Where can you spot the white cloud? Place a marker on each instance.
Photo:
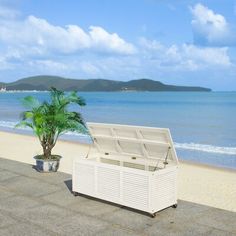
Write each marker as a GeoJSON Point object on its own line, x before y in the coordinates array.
{"type": "Point", "coordinates": [49, 65]}
{"type": "Point", "coordinates": [210, 28]}
{"type": "Point", "coordinates": [104, 41]}
{"type": "Point", "coordinates": [173, 53]}
{"type": "Point", "coordinates": [41, 37]}
{"type": "Point", "coordinates": [204, 15]}
{"type": "Point", "coordinates": [8, 13]}
{"type": "Point", "coordinates": [207, 56]}
{"type": "Point", "coordinates": [90, 69]}
{"type": "Point", "coordinates": [34, 46]}
{"type": "Point", "coordinates": [150, 45]}
{"type": "Point", "coordinates": [4, 65]}
{"type": "Point", "coordinates": [185, 56]}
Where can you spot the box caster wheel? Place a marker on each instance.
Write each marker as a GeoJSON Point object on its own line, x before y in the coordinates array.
{"type": "Point", "coordinates": [75, 194]}
{"type": "Point", "coordinates": [153, 215]}
{"type": "Point", "coordinates": [175, 205]}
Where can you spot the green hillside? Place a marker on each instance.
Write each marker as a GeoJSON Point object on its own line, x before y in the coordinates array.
{"type": "Point", "coordinates": [45, 82]}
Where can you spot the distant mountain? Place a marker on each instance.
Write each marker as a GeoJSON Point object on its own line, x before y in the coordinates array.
{"type": "Point", "coordinates": [45, 82]}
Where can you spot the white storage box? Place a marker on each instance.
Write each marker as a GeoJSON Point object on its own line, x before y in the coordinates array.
{"type": "Point", "coordinates": [133, 166]}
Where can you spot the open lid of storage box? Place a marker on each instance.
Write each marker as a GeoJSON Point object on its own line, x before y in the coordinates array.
{"type": "Point", "coordinates": [135, 141]}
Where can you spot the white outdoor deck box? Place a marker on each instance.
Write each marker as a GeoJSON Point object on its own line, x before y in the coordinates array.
{"type": "Point", "coordinates": [133, 166]}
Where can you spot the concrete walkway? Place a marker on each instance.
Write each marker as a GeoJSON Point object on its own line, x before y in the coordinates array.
{"type": "Point", "coordinates": [32, 203]}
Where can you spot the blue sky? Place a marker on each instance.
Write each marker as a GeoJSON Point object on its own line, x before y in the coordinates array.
{"type": "Point", "coordinates": [177, 42]}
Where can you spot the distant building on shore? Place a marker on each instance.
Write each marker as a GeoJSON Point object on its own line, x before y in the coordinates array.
{"type": "Point", "coordinates": [3, 89]}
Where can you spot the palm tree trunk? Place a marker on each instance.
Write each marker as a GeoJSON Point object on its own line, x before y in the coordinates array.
{"type": "Point", "coordinates": [47, 151]}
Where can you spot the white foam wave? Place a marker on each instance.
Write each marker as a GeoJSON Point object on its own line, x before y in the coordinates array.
{"type": "Point", "coordinates": [206, 148]}
{"type": "Point", "coordinates": [76, 134]}
{"type": "Point", "coordinates": [184, 146]}
{"type": "Point", "coordinates": [12, 124]}
{"type": "Point", "coordinates": [8, 124]}
{"type": "Point", "coordinates": [26, 91]}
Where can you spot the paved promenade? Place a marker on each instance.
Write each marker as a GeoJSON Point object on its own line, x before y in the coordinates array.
{"type": "Point", "coordinates": [37, 204]}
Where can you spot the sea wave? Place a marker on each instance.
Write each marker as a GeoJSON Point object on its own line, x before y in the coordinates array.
{"type": "Point", "coordinates": [183, 146]}
{"type": "Point", "coordinates": [8, 124]}
{"type": "Point", "coordinates": [26, 91]}
{"type": "Point", "coordinates": [12, 125]}
{"type": "Point", "coordinates": [206, 148]}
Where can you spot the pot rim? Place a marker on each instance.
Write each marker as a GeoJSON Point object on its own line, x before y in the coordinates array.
{"type": "Point", "coordinates": [56, 158]}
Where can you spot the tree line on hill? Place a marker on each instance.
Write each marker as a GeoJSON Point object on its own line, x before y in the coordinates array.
{"type": "Point", "coordinates": [43, 82]}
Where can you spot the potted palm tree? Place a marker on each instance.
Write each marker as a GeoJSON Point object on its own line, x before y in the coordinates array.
{"type": "Point", "coordinates": [49, 120]}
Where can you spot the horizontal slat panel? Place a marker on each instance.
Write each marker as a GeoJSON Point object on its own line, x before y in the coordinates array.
{"type": "Point", "coordinates": [108, 182]}
{"type": "Point", "coordinates": [146, 142]}
{"type": "Point", "coordinates": [135, 190]}
{"type": "Point", "coordinates": [164, 190]}
{"type": "Point", "coordinates": [85, 178]}
{"type": "Point", "coordinates": [126, 186]}
{"type": "Point", "coordinates": [132, 140]}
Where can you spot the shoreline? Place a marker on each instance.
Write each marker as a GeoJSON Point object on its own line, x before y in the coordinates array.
{"type": "Point", "coordinates": [207, 166]}
{"type": "Point", "coordinates": [80, 142]}
{"type": "Point", "coordinates": [199, 183]}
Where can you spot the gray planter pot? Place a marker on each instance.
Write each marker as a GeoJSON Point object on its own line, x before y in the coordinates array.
{"type": "Point", "coordinates": [43, 165]}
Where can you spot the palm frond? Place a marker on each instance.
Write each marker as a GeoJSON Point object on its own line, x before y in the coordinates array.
{"type": "Point", "coordinates": [50, 119]}
{"type": "Point", "coordinates": [30, 102]}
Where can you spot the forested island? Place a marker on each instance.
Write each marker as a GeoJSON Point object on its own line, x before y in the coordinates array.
{"type": "Point", "coordinates": [45, 82]}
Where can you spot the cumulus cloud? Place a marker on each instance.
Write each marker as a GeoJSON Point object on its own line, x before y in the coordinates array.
{"type": "Point", "coordinates": [210, 28]}
{"type": "Point", "coordinates": [150, 44]}
{"type": "Point", "coordinates": [8, 13]}
{"type": "Point", "coordinates": [89, 68]}
{"type": "Point", "coordinates": [102, 40]}
{"type": "Point", "coordinates": [35, 46]}
{"type": "Point", "coordinates": [4, 65]}
{"type": "Point", "coordinates": [49, 65]}
{"type": "Point", "coordinates": [41, 37]}
{"type": "Point", "coordinates": [185, 56]}
{"type": "Point", "coordinates": [207, 56]}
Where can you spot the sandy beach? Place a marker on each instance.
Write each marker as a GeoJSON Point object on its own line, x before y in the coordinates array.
{"type": "Point", "coordinates": [197, 183]}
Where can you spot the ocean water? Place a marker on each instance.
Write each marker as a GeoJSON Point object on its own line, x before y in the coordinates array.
{"type": "Point", "coordinates": [203, 125]}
